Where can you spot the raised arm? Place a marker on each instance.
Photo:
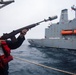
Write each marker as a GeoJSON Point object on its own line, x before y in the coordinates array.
{"type": "Point", "coordinates": [18, 43]}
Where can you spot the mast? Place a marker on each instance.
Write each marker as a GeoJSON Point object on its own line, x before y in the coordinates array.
{"type": "Point", "coordinates": [4, 3]}
{"type": "Point", "coordinates": [74, 8]}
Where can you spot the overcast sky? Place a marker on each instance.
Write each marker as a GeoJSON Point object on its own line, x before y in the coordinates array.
{"type": "Point", "coordinates": [25, 12]}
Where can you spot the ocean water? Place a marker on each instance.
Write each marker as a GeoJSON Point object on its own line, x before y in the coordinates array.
{"type": "Point", "coordinates": [63, 59]}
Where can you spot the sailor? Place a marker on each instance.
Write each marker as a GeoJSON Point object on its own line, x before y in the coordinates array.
{"type": "Point", "coordinates": [5, 50]}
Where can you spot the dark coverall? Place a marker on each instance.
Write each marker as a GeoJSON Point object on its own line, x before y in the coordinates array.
{"type": "Point", "coordinates": [11, 45]}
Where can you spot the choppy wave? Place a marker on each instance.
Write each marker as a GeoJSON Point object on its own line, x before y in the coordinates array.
{"type": "Point", "coordinates": [58, 58]}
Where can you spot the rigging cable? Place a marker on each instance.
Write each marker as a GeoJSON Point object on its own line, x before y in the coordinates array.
{"type": "Point", "coordinates": [45, 66]}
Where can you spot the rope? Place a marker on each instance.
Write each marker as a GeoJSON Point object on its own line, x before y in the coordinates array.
{"type": "Point", "coordinates": [46, 66]}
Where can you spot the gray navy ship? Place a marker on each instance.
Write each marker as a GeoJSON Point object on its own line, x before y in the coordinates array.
{"type": "Point", "coordinates": [59, 35]}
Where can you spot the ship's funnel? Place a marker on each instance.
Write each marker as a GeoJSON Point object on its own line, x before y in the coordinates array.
{"type": "Point", "coordinates": [64, 16]}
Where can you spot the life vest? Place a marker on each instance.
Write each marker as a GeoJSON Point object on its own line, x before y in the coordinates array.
{"type": "Point", "coordinates": [6, 57]}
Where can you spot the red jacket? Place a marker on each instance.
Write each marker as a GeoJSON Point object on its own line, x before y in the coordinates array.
{"type": "Point", "coordinates": [6, 47]}
{"type": "Point", "coordinates": [6, 57]}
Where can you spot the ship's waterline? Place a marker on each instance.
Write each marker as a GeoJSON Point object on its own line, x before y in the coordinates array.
{"type": "Point", "coordinates": [60, 35]}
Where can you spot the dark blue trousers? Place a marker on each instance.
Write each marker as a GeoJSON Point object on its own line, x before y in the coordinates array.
{"type": "Point", "coordinates": [4, 71]}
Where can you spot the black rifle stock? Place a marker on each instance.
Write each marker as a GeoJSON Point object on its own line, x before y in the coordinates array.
{"type": "Point", "coordinates": [13, 33]}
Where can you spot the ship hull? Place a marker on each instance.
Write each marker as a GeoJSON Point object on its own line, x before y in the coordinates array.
{"type": "Point", "coordinates": [56, 43]}
{"type": "Point", "coordinates": [59, 35]}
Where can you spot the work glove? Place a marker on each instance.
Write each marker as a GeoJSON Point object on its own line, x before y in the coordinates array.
{"type": "Point", "coordinates": [23, 32]}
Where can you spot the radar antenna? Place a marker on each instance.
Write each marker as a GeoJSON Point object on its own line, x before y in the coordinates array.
{"type": "Point", "coordinates": [4, 3]}
{"type": "Point", "coordinates": [74, 8]}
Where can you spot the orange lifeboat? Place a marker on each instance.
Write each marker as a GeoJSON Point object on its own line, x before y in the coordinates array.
{"type": "Point", "coordinates": [67, 32]}
{"type": "Point", "coordinates": [74, 31]}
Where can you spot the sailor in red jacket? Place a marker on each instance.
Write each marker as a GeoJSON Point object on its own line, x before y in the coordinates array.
{"type": "Point", "coordinates": [5, 50]}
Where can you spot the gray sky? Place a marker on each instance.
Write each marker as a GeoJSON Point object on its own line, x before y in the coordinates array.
{"type": "Point", "coordinates": [25, 12]}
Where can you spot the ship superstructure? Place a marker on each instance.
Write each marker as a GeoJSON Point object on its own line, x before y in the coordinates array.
{"type": "Point", "coordinates": [59, 35]}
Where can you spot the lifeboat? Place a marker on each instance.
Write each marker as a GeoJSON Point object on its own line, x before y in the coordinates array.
{"type": "Point", "coordinates": [74, 31]}
{"type": "Point", "coordinates": [67, 32]}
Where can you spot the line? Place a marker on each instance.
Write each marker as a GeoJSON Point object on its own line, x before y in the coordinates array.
{"type": "Point", "coordinates": [46, 66]}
